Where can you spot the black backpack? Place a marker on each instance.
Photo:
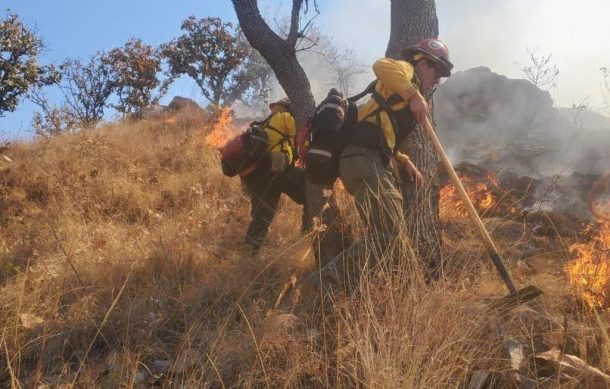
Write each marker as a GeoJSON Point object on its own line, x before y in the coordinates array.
{"type": "Point", "coordinates": [332, 127]}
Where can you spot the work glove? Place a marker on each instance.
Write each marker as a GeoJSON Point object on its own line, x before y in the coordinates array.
{"type": "Point", "coordinates": [409, 170]}
{"type": "Point", "coordinates": [278, 162]}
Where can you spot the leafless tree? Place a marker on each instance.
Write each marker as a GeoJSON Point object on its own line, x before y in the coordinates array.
{"type": "Point", "coordinates": [541, 71]}
{"type": "Point", "coordinates": [576, 111]}
{"type": "Point", "coordinates": [52, 119]}
{"type": "Point", "coordinates": [86, 87]}
{"type": "Point", "coordinates": [343, 61]}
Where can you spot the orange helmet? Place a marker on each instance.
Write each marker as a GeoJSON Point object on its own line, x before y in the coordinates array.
{"type": "Point", "coordinates": [433, 49]}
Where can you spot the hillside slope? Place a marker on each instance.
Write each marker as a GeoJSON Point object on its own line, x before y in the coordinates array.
{"type": "Point", "coordinates": [121, 266]}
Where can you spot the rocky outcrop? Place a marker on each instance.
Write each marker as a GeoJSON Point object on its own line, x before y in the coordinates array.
{"type": "Point", "coordinates": [180, 103]}
{"type": "Point", "coordinates": [478, 102]}
{"type": "Point", "coordinates": [509, 124]}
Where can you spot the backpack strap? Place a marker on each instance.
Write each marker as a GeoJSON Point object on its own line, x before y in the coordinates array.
{"type": "Point", "coordinates": [383, 105]}
{"type": "Point", "coordinates": [285, 137]}
{"type": "Point", "coordinates": [262, 123]}
{"type": "Point", "coordinates": [370, 88]}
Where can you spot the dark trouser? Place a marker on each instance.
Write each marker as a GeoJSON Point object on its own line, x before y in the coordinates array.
{"type": "Point", "coordinates": [265, 189]}
{"type": "Point", "coordinates": [379, 203]}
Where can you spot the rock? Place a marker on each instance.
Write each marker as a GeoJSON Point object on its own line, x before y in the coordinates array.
{"type": "Point", "coordinates": [510, 124]}
{"type": "Point", "coordinates": [180, 103]}
{"type": "Point", "coordinates": [478, 101]}
{"type": "Point", "coordinates": [152, 112]}
{"type": "Point", "coordinates": [573, 368]}
{"type": "Point", "coordinates": [516, 353]}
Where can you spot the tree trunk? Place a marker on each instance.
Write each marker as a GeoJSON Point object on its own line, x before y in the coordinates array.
{"type": "Point", "coordinates": [280, 54]}
{"type": "Point", "coordinates": [411, 21]}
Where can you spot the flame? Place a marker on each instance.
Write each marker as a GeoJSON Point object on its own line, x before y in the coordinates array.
{"type": "Point", "coordinates": [589, 271]}
{"type": "Point", "coordinates": [488, 201]}
{"type": "Point", "coordinates": [480, 194]}
{"type": "Point", "coordinates": [599, 198]}
{"type": "Point", "coordinates": [222, 130]}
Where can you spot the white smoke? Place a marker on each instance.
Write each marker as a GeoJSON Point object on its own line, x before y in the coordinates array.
{"type": "Point", "coordinates": [497, 34]}
{"type": "Point", "coordinates": [510, 124]}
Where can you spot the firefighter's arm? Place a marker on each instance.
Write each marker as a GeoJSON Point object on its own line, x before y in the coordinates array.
{"type": "Point", "coordinates": [408, 169]}
{"type": "Point", "coordinates": [396, 76]}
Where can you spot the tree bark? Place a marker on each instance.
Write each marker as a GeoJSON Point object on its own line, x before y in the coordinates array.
{"type": "Point", "coordinates": [411, 21]}
{"type": "Point", "coordinates": [280, 54]}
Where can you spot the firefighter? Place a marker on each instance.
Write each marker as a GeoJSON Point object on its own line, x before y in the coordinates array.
{"type": "Point", "coordinates": [397, 104]}
{"type": "Point", "coordinates": [274, 175]}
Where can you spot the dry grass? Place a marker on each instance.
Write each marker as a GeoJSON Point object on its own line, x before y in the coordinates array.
{"type": "Point", "coordinates": [120, 247]}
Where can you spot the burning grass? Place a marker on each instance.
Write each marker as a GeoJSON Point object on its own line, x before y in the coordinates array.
{"type": "Point", "coordinates": [480, 194]}
{"type": "Point", "coordinates": [121, 266]}
{"type": "Point", "coordinates": [589, 271]}
{"type": "Point", "coordinates": [599, 198]}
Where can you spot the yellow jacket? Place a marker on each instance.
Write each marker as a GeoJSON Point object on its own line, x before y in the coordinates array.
{"type": "Point", "coordinates": [393, 76]}
{"type": "Point", "coordinates": [284, 123]}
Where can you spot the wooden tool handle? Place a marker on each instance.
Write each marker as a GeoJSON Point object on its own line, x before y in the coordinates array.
{"type": "Point", "coordinates": [472, 212]}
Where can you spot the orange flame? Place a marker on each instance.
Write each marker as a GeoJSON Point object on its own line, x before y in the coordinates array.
{"type": "Point", "coordinates": [589, 271]}
{"type": "Point", "coordinates": [487, 201]}
{"type": "Point", "coordinates": [480, 195]}
{"type": "Point", "coordinates": [222, 130]}
{"type": "Point", "coordinates": [599, 198]}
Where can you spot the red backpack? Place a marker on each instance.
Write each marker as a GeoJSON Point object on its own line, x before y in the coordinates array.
{"type": "Point", "coordinates": [241, 154]}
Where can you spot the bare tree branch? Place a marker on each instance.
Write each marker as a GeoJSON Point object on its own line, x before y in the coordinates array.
{"type": "Point", "coordinates": [293, 33]}
{"type": "Point", "coordinates": [541, 72]}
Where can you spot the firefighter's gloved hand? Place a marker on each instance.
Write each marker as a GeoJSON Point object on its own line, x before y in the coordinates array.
{"type": "Point", "coordinates": [409, 170]}
{"type": "Point", "coordinates": [278, 162]}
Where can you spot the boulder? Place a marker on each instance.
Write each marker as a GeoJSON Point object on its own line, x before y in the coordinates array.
{"type": "Point", "coordinates": [180, 103]}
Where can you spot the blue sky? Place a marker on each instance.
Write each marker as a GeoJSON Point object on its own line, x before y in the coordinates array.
{"type": "Point", "coordinates": [488, 33]}
{"type": "Point", "coordinates": [72, 28]}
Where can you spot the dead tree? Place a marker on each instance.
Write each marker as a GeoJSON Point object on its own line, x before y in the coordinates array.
{"type": "Point", "coordinates": [281, 55]}
{"type": "Point", "coordinates": [540, 71]}
{"type": "Point", "coordinates": [411, 21]}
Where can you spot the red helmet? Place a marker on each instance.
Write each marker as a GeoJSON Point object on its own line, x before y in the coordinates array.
{"type": "Point", "coordinates": [433, 49]}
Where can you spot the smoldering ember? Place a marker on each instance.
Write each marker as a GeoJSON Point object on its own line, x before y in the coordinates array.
{"type": "Point", "coordinates": [444, 229]}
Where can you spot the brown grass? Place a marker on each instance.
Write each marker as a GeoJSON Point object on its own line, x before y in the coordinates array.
{"type": "Point", "coordinates": [121, 247]}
